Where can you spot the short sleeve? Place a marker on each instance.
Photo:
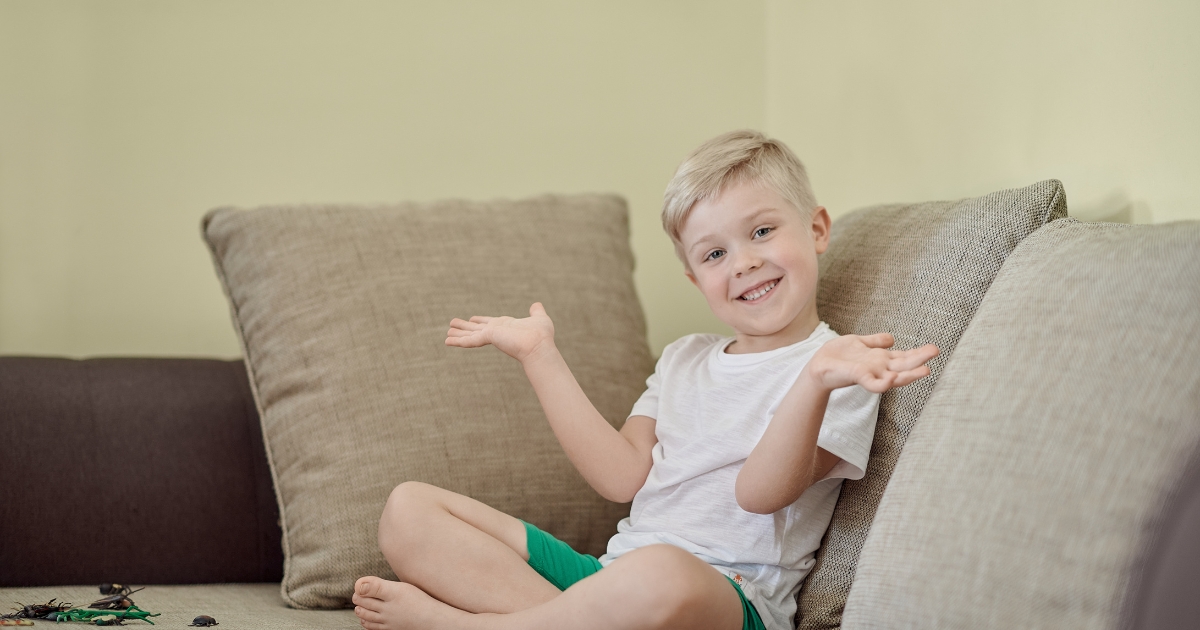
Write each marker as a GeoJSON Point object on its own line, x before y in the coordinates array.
{"type": "Point", "coordinates": [647, 405]}
{"type": "Point", "coordinates": [848, 430]}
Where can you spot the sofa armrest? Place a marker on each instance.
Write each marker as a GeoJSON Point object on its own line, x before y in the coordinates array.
{"type": "Point", "coordinates": [143, 471]}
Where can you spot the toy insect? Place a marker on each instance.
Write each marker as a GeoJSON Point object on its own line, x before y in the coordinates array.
{"type": "Point", "coordinates": [105, 617]}
{"type": "Point", "coordinates": [117, 601]}
{"type": "Point", "coordinates": [113, 589]}
{"type": "Point", "coordinates": [204, 621]}
{"type": "Point", "coordinates": [37, 611]}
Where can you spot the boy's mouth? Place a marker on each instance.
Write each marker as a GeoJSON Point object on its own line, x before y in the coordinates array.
{"type": "Point", "coordinates": [759, 291]}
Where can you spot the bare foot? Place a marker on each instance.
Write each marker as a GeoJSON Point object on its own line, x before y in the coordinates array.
{"type": "Point", "coordinates": [385, 605]}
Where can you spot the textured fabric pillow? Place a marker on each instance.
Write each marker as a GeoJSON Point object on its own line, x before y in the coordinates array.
{"type": "Point", "coordinates": [1062, 422]}
{"type": "Point", "coordinates": [342, 313]}
{"type": "Point", "coordinates": [919, 272]}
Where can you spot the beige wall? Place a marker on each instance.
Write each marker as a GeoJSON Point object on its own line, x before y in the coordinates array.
{"type": "Point", "coordinates": [122, 121]}
{"type": "Point", "coordinates": [932, 99]}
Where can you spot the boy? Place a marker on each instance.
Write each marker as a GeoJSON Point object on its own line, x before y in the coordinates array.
{"type": "Point", "coordinates": [733, 457]}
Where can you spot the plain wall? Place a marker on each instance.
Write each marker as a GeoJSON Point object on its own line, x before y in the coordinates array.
{"type": "Point", "coordinates": [938, 99]}
{"type": "Point", "coordinates": [123, 121]}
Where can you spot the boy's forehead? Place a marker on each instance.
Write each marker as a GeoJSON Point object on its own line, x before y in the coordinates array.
{"type": "Point", "coordinates": [731, 210]}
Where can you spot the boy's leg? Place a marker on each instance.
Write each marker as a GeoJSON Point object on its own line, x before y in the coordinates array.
{"type": "Point", "coordinates": [652, 588]}
{"type": "Point", "coordinates": [459, 550]}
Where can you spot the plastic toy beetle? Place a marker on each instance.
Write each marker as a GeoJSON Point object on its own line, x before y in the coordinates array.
{"type": "Point", "coordinates": [118, 598]}
{"type": "Point", "coordinates": [37, 611]}
{"type": "Point", "coordinates": [204, 621]}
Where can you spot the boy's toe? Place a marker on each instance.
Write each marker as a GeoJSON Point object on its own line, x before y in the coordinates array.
{"type": "Point", "coordinates": [373, 588]}
{"type": "Point", "coordinates": [368, 615]}
{"type": "Point", "coordinates": [368, 586]}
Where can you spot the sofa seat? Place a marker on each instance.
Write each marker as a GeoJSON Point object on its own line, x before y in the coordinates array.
{"type": "Point", "coordinates": [242, 606]}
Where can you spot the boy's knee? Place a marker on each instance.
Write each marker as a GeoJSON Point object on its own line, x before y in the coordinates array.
{"type": "Point", "coordinates": [403, 509]}
{"type": "Point", "coordinates": [408, 493]}
{"type": "Point", "coordinates": [670, 582]}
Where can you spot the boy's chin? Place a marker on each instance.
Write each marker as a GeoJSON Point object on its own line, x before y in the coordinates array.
{"type": "Point", "coordinates": [766, 328]}
{"type": "Point", "coordinates": [760, 330]}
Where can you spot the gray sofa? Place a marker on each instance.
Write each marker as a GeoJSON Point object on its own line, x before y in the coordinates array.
{"type": "Point", "coordinates": [1050, 479]}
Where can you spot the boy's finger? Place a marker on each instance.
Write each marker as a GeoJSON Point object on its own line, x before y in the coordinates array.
{"type": "Point", "coordinates": [878, 340]}
{"type": "Point", "coordinates": [481, 319]}
{"type": "Point", "coordinates": [458, 332]}
{"type": "Point", "coordinates": [909, 376]}
{"type": "Point", "coordinates": [877, 384]}
{"type": "Point", "coordinates": [537, 309]}
{"type": "Point", "coordinates": [928, 351]}
{"type": "Point", "coordinates": [907, 360]}
{"type": "Point", "coordinates": [465, 342]}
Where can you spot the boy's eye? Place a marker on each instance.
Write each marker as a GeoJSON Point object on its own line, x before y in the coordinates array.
{"type": "Point", "coordinates": [714, 254]}
{"type": "Point", "coordinates": [762, 231]}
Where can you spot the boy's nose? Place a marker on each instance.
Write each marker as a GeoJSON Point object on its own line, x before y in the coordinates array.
{"type": "Point", "coordinates": [746, 265]}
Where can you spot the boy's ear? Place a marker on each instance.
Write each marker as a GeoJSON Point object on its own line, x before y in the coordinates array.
{"type": "Point", "coordinates": [820, 228]}
{"type": "Point", "coordinates": [692, 278]}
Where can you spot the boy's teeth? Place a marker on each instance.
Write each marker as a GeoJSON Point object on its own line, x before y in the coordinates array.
{"type": "Point", "coordinates": [759, 293]}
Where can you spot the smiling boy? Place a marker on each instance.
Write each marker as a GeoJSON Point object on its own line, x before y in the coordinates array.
{"type": "Point", "coordinates": [733, 457]}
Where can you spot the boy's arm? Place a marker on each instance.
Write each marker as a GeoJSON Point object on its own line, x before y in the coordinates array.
{"type": "Point", "coordinates": [787, 460]}
{"type": "Point", "coordinates": [614, 463]}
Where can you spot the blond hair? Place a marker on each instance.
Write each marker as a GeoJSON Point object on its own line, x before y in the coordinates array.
{"type": "Point", "coordinates": [733, 158]}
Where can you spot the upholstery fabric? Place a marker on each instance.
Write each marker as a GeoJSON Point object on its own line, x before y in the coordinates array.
{"type": "Point", "coordinates": [342, 312]}
{"type": "Point", "coordinates": [241, 606]}
{"type": "Point", "coordinates": [135, 471]}
{"type": "Point", "coordinates": [1162, 594]}
{"type": "Point", "coordinates": [918, 271]}
{"type": "Point", "coordinates": [1065, 418]}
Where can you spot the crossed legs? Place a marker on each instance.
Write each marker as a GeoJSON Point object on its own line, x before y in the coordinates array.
{"type": "Point", "coordinates": [463, 564]}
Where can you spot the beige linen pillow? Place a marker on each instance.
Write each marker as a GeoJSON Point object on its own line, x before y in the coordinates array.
{"type": "Point", "coordinates": [918, 271]}
{"type": "Point", "coordinates": [342, 313]}
{"type": "Point", "coordinates": [1041, 462]}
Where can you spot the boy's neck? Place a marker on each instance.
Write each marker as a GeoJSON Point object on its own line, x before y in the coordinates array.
{"type": "Point", "coordinates": [795, 332]}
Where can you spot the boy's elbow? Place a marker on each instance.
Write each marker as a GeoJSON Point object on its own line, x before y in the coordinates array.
{"type": "Point", "coordinates": [621, 497]}
{"type": "Point", "coordinates": [749, 503]}
{"type": "Point", "coordinates": [760, 503]}
{"type": "Point", "coordinates": [620, 493]}
{"type": "Point", "coordinates": [755, 508]}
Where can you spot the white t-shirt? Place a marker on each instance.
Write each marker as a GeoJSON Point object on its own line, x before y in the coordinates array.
{"type": "Point", "coordinates": [711, 409]}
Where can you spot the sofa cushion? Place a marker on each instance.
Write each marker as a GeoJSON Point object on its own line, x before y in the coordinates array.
{"type": "Point", "coordinates": [342, 313]}
{"type": "Point", "coordinates": [241, 606]}
{"type": "Point", "coordinates": [141, 470]}
{"type": "Point", "coordinates": [918, 271]}
{"type": "Point", "coordinates": [1058, 429]}
{"type": "Point", "coordinates": [1161, 595]}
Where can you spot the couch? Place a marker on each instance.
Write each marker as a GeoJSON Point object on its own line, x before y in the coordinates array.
{"type": "Point", "coordinates": [1051, 479]}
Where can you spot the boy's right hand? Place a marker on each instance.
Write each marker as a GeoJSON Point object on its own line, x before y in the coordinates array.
{"type": "Point", "coordinates": [520, 339]}
{"type": "Point", "coordinates": [866, 361]}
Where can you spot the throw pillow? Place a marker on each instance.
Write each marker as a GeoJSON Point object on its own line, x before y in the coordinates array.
{"type": "Point", "coordinates": [918, 271]}
{"type": "Point", "coordinates": [342, 313]}
{"type": "Point", "coordinates": [1059, 430]}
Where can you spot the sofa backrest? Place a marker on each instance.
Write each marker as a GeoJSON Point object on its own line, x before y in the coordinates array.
{"type": "Point", "coordinates": [137, 471]}
{"type": "Point", "coordinates": [1037, 473]}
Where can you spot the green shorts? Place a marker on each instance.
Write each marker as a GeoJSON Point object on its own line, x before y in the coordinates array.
{"type": "Point", "coordinates": [554, 560]}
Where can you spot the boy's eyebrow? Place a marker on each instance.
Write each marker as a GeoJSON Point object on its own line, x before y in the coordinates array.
{"type": "Point", "coordinates": [751, 219]}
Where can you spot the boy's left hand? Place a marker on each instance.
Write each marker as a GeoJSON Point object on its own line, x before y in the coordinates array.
{"type": "Point", "coordinates": [866, 361]}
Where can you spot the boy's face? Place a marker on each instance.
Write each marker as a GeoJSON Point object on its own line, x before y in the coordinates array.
{"type": "Point", "coordinates": [754, 257]}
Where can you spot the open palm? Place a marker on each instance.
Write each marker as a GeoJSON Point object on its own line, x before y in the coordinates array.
{"type": "Point", "coordinates": [518, 338]}
{"type": "Point", "coordinates": [866, 361]}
